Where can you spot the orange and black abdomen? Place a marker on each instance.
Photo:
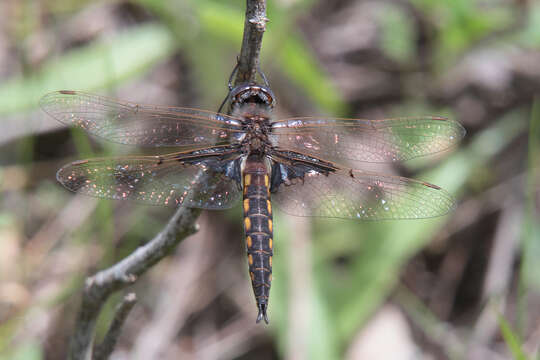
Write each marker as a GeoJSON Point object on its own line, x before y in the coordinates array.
{"type": "Point", "coordinates": [258, 230]}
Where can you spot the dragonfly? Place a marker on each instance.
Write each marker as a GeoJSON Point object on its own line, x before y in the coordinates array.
{"type": "Point", "coordinates": [217, 160]}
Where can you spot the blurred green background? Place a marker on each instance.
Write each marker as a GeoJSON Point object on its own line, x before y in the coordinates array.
{"type": "Point", "coordinates": [463, 286]}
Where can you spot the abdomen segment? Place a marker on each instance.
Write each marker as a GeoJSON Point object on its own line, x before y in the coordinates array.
{"type": "Point", "coordinates": [258, 230]}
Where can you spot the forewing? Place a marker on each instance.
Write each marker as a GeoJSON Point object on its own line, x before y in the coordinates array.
{"type": "Point", "coordinates": [151, 181]}
{"type": "Point", "coordinates": [137, 124]}
{"type": "Point", "coordinates": [353, 194]}
{"type": "Point", "coordinates": [376, 141]}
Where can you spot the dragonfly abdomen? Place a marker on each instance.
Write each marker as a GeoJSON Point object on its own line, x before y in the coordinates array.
{"type": "Point", "coordinates": [258, 230]}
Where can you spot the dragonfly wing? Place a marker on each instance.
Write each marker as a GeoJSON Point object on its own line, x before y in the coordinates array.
{"type": "Point", "coordinates": [353, 194]}
{"type": "Point", "coordinates": [137, 124]}
{"type": "Point", "coordinates": [151, 180]}
{"type": "Point", "coordinates": [360, 140]}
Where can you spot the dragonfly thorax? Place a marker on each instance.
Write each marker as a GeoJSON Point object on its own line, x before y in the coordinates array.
{"type": "Point", "coordinates": [257, 129]}
{"type": "Point", "coordinates": [255, 117]}
{"type": "Point", "coordinates": [253, 104]}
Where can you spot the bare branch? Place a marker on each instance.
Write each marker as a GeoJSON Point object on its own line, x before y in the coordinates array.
{"type": "Point", "coordinates": [254, 27]}
{"type": "Point", "coordinates": [100, 286]}
{"type": "Point", "coordinates": [105, 349]}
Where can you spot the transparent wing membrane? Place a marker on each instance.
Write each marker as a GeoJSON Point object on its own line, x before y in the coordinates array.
{"type": "Point", "coordinates": [308, 150]}
{"type": "Point", "coordinates": [360, 140]}
{"type": "Point", "coordinates": [152, 181]}
{"type": "Point", "coordinates": [352, 194]}
{"type": "Point", "coordinates": [137, 124]}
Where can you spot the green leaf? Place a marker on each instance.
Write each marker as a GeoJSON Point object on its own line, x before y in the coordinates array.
{"type": "Point", "coordinates": [531, 34]}
{"type": "Point", "coordinates": [398, 45]}
{"type": "Point", "coordinates": [297, 62]}
{"type": "Point", "coordinates": [318, 339]}
{"type": "Point", "coordinates": [462, 23]}
{"type": "Point", "coordinates": [26, 351]}
{"type": "Point", "coordinates": [530, 237]}
{"type": "Point", "coordinates": [103, 63]}
{"type": "Point", "coordinates": [531, 232]}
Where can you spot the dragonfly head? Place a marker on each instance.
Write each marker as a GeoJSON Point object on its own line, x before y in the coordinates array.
{"type": "Point", "coordinates": [252, 94]}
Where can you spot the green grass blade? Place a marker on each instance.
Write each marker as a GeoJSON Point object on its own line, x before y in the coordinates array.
{"type": "Point", "coordinates": [511, 339]}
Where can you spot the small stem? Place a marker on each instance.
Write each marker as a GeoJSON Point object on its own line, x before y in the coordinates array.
{"type": "Point", "coordinates": [124, 273]}
{"type": "Point", "coordinates": [254, 27]}
{"type": "Point", "coordinates": [105, 349]}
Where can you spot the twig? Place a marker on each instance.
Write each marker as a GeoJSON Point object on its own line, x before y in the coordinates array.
{"type": "Point", "coordinates": [100, 286]}
{"type": "Point", "coordinates": [105, 349]}
{"type": "Point", "coordinates": [254, 27]}
{"type": "Point", "coordinates": [182, 277]}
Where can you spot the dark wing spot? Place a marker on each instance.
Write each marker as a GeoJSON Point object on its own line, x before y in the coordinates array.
{"type": "Point", "coordinates": [431, 186]}
{"type": "Point", "coordinates": [79, 162]}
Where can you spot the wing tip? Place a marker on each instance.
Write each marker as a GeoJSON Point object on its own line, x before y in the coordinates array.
{"type": "Point", "coordinates": [458, 129]}
{"type": "Point", "coordinates": [44, 101]}
{"type": "Point", "coordinates": [53, 94]}
{"type": "Point", "coordinates": [448, 201]}
{"type": "Point", "coordinates": [48, 99]}
{"type": "Point", "coordinates": [70, 182]}
{"type": "Point", "coordinates": [462, 130]}
{"type": "Point", "coordinates": [445, 196]}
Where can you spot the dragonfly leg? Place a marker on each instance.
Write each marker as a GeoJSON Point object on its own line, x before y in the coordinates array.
{"type": "Point", "coordinates": [263, 76]}
{"type": "Point", "coordinates": [233, 73]}
{"type": "Point", "coordinates": [229, 85]}
{"type": "Point", "coordinates": [224, 102]}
